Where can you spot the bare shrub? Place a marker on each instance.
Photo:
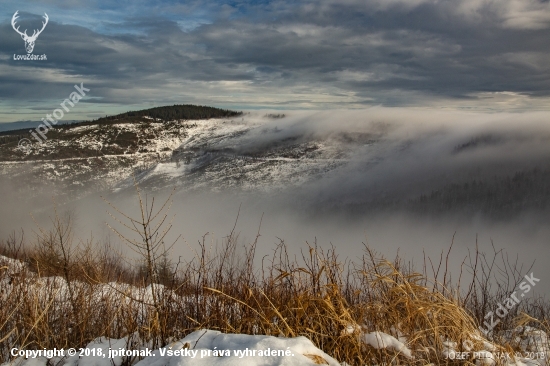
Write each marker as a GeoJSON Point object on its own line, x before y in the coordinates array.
{"type": "Point", "coordinates": [62, 293]}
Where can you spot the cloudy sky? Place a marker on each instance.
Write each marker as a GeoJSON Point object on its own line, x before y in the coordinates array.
{"type": "Point", "coordinates": [280, 54]}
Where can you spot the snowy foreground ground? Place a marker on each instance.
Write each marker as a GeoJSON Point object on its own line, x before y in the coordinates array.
{"type": "Point", "coordinates": [203, 347]}
{"type": "Point", "coordinates": [212, 348]}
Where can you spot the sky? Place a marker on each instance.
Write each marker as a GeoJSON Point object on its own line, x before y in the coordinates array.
{"type": "Point", "coordinates": [491, 55]}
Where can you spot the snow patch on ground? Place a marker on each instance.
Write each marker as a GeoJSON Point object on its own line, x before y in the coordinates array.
{"type": "Point", "coordinates": [202, 347]}
{"type": "Point", "coordinates": [381, 340]}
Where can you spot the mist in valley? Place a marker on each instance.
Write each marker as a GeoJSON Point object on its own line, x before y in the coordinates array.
{"type": "Point", "coordinates": [383, 161]}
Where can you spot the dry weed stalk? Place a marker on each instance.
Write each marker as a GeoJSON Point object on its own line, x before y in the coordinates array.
{"type": "Point", "coordinates": [329, 300]}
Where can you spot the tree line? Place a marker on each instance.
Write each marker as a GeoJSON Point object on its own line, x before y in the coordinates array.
{"type": "Point", "coordinates": [175, 112]}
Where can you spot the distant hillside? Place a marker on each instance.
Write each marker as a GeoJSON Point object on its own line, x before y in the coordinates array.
{"type": "Point", "coordinates": [175, 112]}
{"type": "Point", "coordinates": [24, 125]}
{"type": "Point", "coordinates": [498, 197]}
{"type": "Point", "coordinates": [160, 114]}
{"type": "Point", "coordinates": [127, 133]}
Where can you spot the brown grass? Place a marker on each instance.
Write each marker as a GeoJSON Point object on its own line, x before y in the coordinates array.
{"type": "Point", "coordinates": [329, 300]}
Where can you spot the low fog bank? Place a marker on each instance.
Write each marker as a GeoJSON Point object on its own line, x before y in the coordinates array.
{"type": "Point", "coordinates": [435, 162]}
{"type": "Point", "coordinates": [412, 236]}
{"type": "Point", "coordinates": [391, 155]}
{"type": "Point", "coordinates": [402, 153]}
{"type": "Point", "coordinates": [213, 216]}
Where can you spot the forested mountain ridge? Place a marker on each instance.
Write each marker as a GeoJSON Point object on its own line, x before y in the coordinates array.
{"type": "Point", "coordinates": [171, 113]}
{"type": "Point", "coordinates": [497, 197]}
{"type": "Point", "coordinates": [323, 168]}
{"type": "Point", "coordinates": [176, 112]}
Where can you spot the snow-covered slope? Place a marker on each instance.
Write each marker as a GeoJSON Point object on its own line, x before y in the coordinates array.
{"type": "Point", "coordinates": [213, 153]}
{"type": "Point", "coordinates": [338, 159]}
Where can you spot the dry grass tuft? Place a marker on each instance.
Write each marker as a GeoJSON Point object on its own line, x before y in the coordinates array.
{"type": "Point", "coordinates": [318, 360]}
{"type": "Point", "coordinates": [69, 292]}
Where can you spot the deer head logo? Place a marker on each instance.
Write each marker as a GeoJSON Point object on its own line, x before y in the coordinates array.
{"type": "Point", "coordinates": [29, 40]}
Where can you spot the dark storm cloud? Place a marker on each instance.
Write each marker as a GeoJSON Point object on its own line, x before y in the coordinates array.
{"type": "Point", "coordinates": [360, 52]}
{"type": "Point", "coordinates": [431, 48]}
